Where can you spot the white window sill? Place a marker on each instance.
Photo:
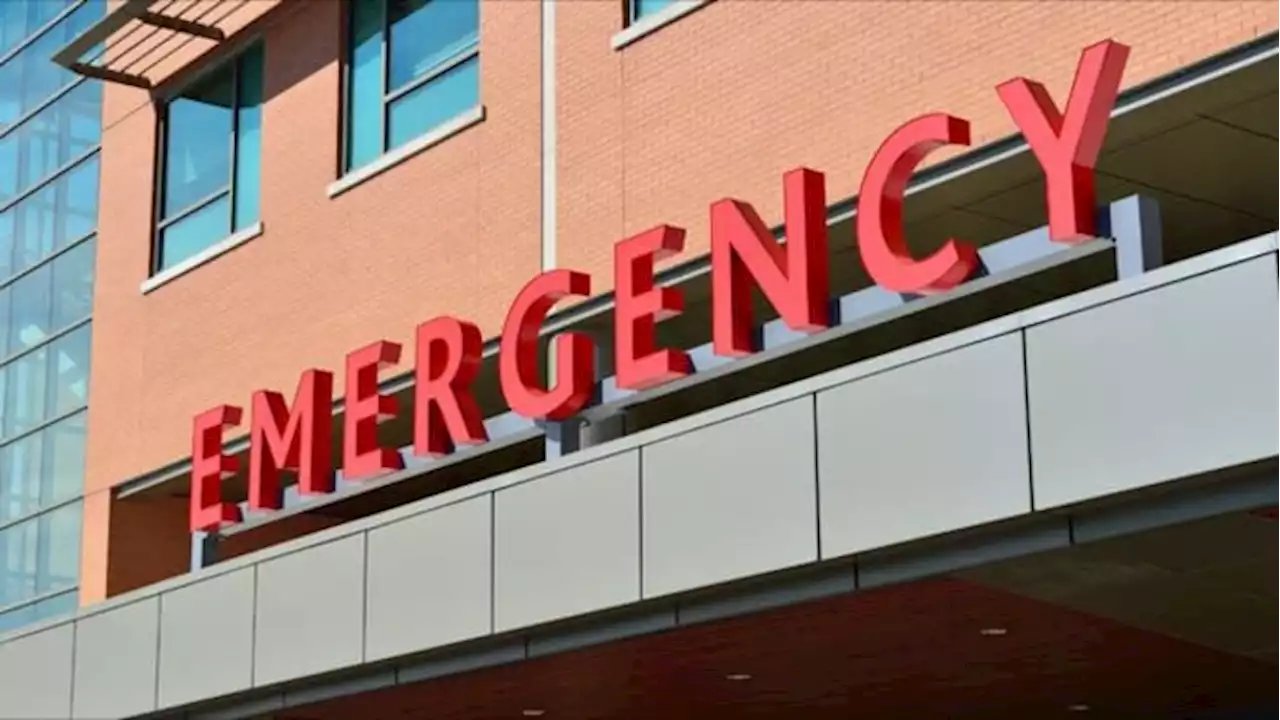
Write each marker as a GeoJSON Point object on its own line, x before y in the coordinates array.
{"type": "Point", "coordinates": [222, 247]}
{"type": "Point", "coordinates": [404, 152]}
{"type": "Point", "coordinates": [666, 16]}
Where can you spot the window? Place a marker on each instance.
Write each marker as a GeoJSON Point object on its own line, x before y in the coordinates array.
{"type": "Point", "coordinates": [49, 140]}
{"type": "Point", "coordinates": [210, 158]}
{"type": "Point", "coordinates": [644, 8]}
{"type": "Point", "coordinates": [413, 66]}
{"type": "Point", "coordinates": [19, 20]}
{"type": "Point", "coordinates": [30, 78]}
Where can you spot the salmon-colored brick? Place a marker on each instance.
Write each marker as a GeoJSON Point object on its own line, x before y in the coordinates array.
{"type": "Point", "coordinates": [453, 230]}
{"type": "Point", "coordinates": [725, 100]}
{"type": "Point", "coordinates": [720, 103]}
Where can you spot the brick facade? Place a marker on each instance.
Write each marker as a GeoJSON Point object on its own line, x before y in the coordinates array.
{"type": "Point", "coordinates": [719, 103]}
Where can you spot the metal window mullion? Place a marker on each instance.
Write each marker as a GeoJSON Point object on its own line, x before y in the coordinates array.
{"type": "Point", "coordinates": [61, 205]}
{"type": "Point", "coordinates": [34, 599]}
{"type": "Point", "coordinates": [43, 425]}
{"type": "Point", "coordinates": [344, 88]}
{"type": "Point", "coordinates": [386, 75]}
{"type": "Point", "coordinates": [195, 207]}
{"type": "Point", "coordinates": [42, 106]}
{"type": "Point", "coordinates": [44, 342]}
{"type": "Point", "coordinates": [436, 71]}
{"type": "Point", "coordinates": [41, 31]}
{"type": "Point", "coordinates": [159, 189]}
{"type": "Point", "coordinates": [49, 179]}
{"type": "Point", "coordinates": [236, 67]}
{"type": "Point", "coordinates": [42, 550]}
{"type": "Point", "coordinates": [47, 259]}
{"type": "Point", "coordinates": [34, 514]}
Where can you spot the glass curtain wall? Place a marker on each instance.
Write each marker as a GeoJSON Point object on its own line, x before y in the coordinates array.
{"type": "Point", "coordinates": [50, 130]}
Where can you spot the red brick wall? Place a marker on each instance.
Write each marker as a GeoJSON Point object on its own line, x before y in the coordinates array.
{"type": "Point", "coordinates": [720, 103]}
{"type": "Point", "coordinates": [726, 99]}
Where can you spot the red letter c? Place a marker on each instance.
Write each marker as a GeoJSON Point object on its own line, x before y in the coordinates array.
{"type": "Point", "coordinates": [880, 236]}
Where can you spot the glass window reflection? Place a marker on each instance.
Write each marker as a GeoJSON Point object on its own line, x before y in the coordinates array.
{"type": "Point", "coordinates": [49, 140]}
{"type": "Point", "coordinates": [73, 284]}
{"type": "Point", "coordinates": [197, 149]}
{"type": "Point", "coordinates": [248, 154]}
{"type": "Point", "coordinates": [68, 372]}
{"type": "Point", "coordinates": [31, 308]}
{"type": "Point", "coordinates": [62, 475]}
{"type": "Point", "coordinates": [366, 88]}
{"type": "Point", "coordinates": [193, 233]}
{"type": "Point", "coordinates": [644, 8]}
{"type": "Point", "coordinates": [26, 393]}
{"type": "Point", "coordinates": [425, 33]}
{"type": "Point", "coordinates": [41, 555]}
{"type": "Point", "coordinates": [18, 562]}
{"type": "Point", "coordinates": [58, 557]}
{"type": "Point", "coordinates": [19, 19]}
{"type": "Point", "coordinates": [50, 219]}
{"type": "Point", "coordinates": [42, 469]}
{"type": "Point", "coordinates": [20, 471]}
{"type": "Point", "coordinates": [428, 75]}
{"type": "Point", "coordinates": [212, 160]}
{"type": "Point", "coordinates": [435, 103]}
{"type": "Point", "coordinates": [17, 617]}
{"type": "Point", "coordinates": [30, 77]}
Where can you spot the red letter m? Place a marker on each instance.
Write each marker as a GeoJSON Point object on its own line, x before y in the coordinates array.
{"type": "Point", "coordinates": [298, 439]}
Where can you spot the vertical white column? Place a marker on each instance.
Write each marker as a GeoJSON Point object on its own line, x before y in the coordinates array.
{"type": "Point", "coordinates": [548, 125]}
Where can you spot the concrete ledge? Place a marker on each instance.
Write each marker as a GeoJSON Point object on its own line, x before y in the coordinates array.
{"type": "Point", "coordinates": [666, 16]}
{"type": "Point", "coordinates": [395, 157]}
{"type": "Point", "coordinates": [218, 249]}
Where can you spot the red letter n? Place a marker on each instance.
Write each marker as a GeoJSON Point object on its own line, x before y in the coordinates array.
{"type": "Point", "coordinates": [794, 279]}
{"type": "Point", "coordinates": [1067, 145]}
{"type": "Point", "coordinates": [298, 439]}
{"type": "Point", "coordinates": [365, 407]}
{"type": "Point", "coordinates": [445, 413]}
{"type": "Point", "coordinates": [208, 469]}
{"type": "Point", "coordinates": [639, 307]}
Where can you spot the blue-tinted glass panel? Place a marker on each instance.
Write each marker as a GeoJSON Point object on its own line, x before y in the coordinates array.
{"type": "Point", "coordinates": [436, 102]}
{"type": "Point", "coordinates": [50, 139]}
{"type": "Point", "coordinates": [57, 605]}
{"type": "Point", "coordinates": [27, 391]}
{"type": "Point", "coordinates": [642, 8]}
{"type": "Point", "coordinates": [249, 139]}
{"type": "Point", "coordinates": [195, 232]}
{"type": "Point", "coordinates": [49, 608]}
{"type": "Point", "coordinates": [42, 469]}
{"type": "Point", "coordinates": [18, 553]}
{"type": "Point", "coordinates": [53, 217]}
{"type": "Point", "coordinates": [16, 618]}
{"type": "Point", "coordinates": [20, 472]}
{"type": "Point", "coordinates": [425, 33]}
{"type": "Point", "coordinates": [4, 326]}
{"type": "Point", "coordinates": [31, 77]}
{"type": "Point", "coordinates": [40, 555]}
{"type": "Point", "coordinates": [31, 309]}
{"type": "Point", "coordinates": [58, 561]}
{"type": "Point", "coordinates": [62, 475]}
{"type": "Point", "coordinates": [20, 18]}
{"type": "Point", "coordinates": [198, 142]}
{"type": "Point", "coordinates": [73, 284]}
{"type": "Point", "coordinates": [68, 372]}
{"type": "Point", "coordinates": [364, 96]}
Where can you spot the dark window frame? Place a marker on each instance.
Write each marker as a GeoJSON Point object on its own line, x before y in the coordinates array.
{"type": "Point", "coordinates": [234, 63]}
{"type": "Point", "coordinates": [389, 96]}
